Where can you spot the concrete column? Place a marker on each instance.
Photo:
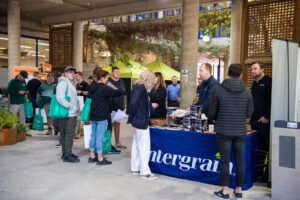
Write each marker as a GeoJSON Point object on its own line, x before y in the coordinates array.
{"type": "Point", "coordinates": [236, 33]}
{"type": "Point", "coordinates": [14, 34]}
{"type": "Point", "coordinates": [78, 45]}
{"type": "Point", "coordinates": [189, 51]}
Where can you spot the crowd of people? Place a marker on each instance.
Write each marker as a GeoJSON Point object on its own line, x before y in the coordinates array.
{"type": "Point", "coordinates": [228, 105]}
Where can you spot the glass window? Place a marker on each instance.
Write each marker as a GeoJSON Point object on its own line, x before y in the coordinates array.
{"type": "Point", "coordinates": [3, 50]}
{"type": "Point", "coordinates": [43, 52]}
{"type": "Point", "coordinates": [28, 52]}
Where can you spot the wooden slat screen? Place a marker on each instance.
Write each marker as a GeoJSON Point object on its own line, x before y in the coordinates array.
{"type": "Point", "coordinates": [266, 19]}
{"type": "Point", "coordinates": [60, 47]}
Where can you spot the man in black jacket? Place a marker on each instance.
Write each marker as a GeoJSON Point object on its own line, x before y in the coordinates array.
{"type": "Point", "coordinates": [207, 87]}
{"type": "Point", "coordinates": [260, 120]}
{"type": "Point", "coordinates": [230, 105]}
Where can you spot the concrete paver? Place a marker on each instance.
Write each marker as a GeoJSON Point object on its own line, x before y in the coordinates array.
{"type": "Point", "coordinates": [33, 170]}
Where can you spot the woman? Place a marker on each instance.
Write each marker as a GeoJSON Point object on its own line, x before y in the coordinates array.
{"type": "Point", "coordinates": [158, 98]}
{"type": "Point", "coordinates": [139, 112]}
{"type": "Point", "coordinates": [100, 94]}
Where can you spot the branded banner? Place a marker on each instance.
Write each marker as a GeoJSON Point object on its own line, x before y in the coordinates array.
{"type": "Point", "coordinates": [194, 156]}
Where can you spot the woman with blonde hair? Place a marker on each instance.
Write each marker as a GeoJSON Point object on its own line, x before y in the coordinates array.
{"type": "Point", "coordinates": [139, 113]}
{"type": "Point", "coordinates": [158, 98]}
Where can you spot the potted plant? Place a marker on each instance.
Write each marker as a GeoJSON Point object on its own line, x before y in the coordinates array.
{"type": "Point", "coordinates": [21, 130]}
{"type": "Point", "coordinates": [8, 131]}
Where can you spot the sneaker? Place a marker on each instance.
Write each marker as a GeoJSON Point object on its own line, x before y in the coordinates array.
{"type": "Point", "coordinates": [74, 156]}
{"type": "Point", "coordinates": [149, 177]}
{"type": "Point", "coordinates": [238, 195]}
{"type": "Point", "coordinates": [58, 145]}
{"type": "Point", "coordinates": [221, 195]}
{"type": "Point", "coordinates": [49, 131]}
{"type": "Point", "coordinates": [104, 162]}
{"type": "Point", "coordinates": [92, 160]}
{"type": "Point", "coordinates": [114, 150]}
{"type": "Point", "coordinates": [120, 146]}
{"type": "Point", "coordinates": [56, 132]}
{"type": "Point", "coordinates": [28, 135]}
{"type": "Point", "coordinates": [135, 173]}
{"type": "Point", "coordinates": [70, 159]}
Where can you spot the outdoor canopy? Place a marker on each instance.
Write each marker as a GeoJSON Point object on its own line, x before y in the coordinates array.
{"type": "Point", "coordinates": [131, 69]}
{"type": "Point", "coordinates": [165, 70]}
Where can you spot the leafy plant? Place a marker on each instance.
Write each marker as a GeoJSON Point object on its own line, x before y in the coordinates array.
{"type": "Point", "coordinates": [7, 119]}
{"type": "Point", "coordinates": [21, 128]}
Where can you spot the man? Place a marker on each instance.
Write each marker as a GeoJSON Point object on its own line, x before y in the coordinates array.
{"type": "Point", "coordinates": [45, 93]}
{"type": "Point", "coordinates": [260, 121]}
{"type": "Point", "coordinates": [230, 105]}
{"type": "Point", "coordinates": [207, 87]}
{"type": "Point", "coordinates": [173, 93]}
{"type": "Point", "coordinates": [82, 88]}
{"type": "Point", "coordinates": [17, 91]}
{"type": "Point", "coordinates": [67, 125]}
{"type": "Point", "coordinates": [118, 103]}
{"type": "Point", "coordinates": [90, 80]}
{"type": "Point", "coordinates": [33, 86]}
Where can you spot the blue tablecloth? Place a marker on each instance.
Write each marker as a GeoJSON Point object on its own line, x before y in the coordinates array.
{"type": "Point", "coordinates": [194, 156]}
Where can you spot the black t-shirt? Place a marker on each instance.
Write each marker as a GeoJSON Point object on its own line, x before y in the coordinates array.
{"type": "Point", "coordinates": [119, 101]}
{"type": "Point", "coordinates": [33, 85]}
{"type": "Point", "coordinates": [83, 86]}
{"type": "Point", "coordinates": [261, 94]}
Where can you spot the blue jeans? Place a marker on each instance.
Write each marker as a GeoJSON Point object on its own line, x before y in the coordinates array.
{"type": "Point", "coordinates": [98, 130]}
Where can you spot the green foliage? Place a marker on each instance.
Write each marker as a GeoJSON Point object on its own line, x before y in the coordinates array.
{"type": "Point", "coordinates": [209, 21]}
{"type": "Point", "coordinates": [21, 128]}
{"type": "Point", "coordinates": [7, 119]}
{"type": "Point", "coordinates": [214, 51]}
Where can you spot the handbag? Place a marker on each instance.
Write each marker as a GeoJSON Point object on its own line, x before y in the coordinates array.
{"type": "Point", "coordinates": [56, 109]}
{"type": "Point", "coordinates": [28, 107]}
{"type": "Point", "coordinates": [38, 123]}
{"type": "Point", "coordinates": [85, 114]}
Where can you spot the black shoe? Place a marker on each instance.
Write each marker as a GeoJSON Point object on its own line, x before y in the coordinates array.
{"type": "Point", "coordinates": [221, 195]}
{"type": "Point", "coordinates": [74, 156]}
{"type": "Point", "coordinates": [238, 195]}
{"type": "Point", "coordinates": [56, 132]}
{"type": "Point", "coordinates": [70, 159]}
{"type": "Point", "coordinates": [93, 160]}
{"type": "Point", "coordinates": [104, 162]}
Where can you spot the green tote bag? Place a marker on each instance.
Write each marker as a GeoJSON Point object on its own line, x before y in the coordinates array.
{"type": "Point", "coordinates": [56, 109]}
{"type": "Point", "coordinates": [28, 107]}
{"type": "Point", "coordinates": [38, 123]}
{"type": "Point", "coordinates": [107, 141]}
{"type": "Point", "coordinates": [85, 113]}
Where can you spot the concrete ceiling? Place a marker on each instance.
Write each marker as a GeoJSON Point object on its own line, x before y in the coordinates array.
{"type": "Point", "coordinates": [62, 11]}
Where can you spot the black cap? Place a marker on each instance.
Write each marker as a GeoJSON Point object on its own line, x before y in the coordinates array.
{"type": "Point", "coordinates": [23, 73]}
{"type": "Point", "coordinates": [70, 68]}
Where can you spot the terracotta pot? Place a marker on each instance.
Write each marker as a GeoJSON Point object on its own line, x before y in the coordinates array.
{"type": "Point", "coordinates": [8, 136]}
{"type": "Point", "coordinates": [21, 137]}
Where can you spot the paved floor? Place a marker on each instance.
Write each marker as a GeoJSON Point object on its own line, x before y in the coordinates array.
{"type": "Point", "coordinates": [33, 170]}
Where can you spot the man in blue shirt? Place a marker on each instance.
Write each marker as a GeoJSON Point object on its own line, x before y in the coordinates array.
{"type": "Point", "coordinates": [173, 93]}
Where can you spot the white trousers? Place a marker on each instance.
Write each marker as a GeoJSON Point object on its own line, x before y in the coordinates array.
{"type": "Point", "coordinates": [140, 151]}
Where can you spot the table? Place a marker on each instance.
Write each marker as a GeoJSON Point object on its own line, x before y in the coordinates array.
{"type": "Point", "coordinates": [194, 156]}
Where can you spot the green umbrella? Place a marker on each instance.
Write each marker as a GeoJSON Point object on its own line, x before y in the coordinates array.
{"type": "Point", "coordinates": [165, 70]}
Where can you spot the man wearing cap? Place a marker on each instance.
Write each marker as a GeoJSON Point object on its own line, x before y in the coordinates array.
{"type": "Point", "coordinates": [45, 92]}
{"type": "Point", "coordinates": [67, 125]}
{"type": "Point", "coordinates": [17, 90]}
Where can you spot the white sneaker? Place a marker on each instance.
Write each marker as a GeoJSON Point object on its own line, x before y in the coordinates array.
{"type": "Point", "coordinates": [149, 177]}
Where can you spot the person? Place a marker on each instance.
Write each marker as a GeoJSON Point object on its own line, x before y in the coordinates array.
{"type": "Point", "coordinates": [139, 113]}
{"type": "Point", "coordinates": [45, 92]}
{"type": "Point", "coordinates": [82, 88]}
{"type": "Point", "coordinates": [207, 87]}
{"type": "Point", "coordinates": [100, 113]}
{"type": "Point", "coordinates": [261, 91]}
{"type": "Point", "coordinates": [90, 80]}
{"type": "Point", "coordinates": [33, 86]}
{"type": "Point", "coordinates": [196, 98]}
{"type": "Point", "coordinates": [67, 125]}
{"type": "Point", "coordinates": [173, 93]}
{"type": "Point", "coordinates": [17, 91]}
{"type": "Point", "coordinates": [118, 103]}
{"type": "Point", "coordinates": [158, 98]}
{"type": "Point", "coordinates": [230, 105]}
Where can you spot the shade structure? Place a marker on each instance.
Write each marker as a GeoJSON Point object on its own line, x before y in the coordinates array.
{"type": "Point", "coordinates": [165, 70]}
{"type": "Point", "coordinates": [130, 69]}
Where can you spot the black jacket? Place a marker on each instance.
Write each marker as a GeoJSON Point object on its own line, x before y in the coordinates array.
{"type": "Point", "coordinates": [159, 96]}
{"type": "Point", "coordinates": [33, 86]}
{"type": "Point", "coordinates": [100, 106]}
{"type": "Point", "coordinates": [261, 93]}
{"type": "Point", "coordinates": [205, 91]}
{"type": "Point", "coordinates": [139, 111]}
{"type": "Point", "coordinates": [230, 105]}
